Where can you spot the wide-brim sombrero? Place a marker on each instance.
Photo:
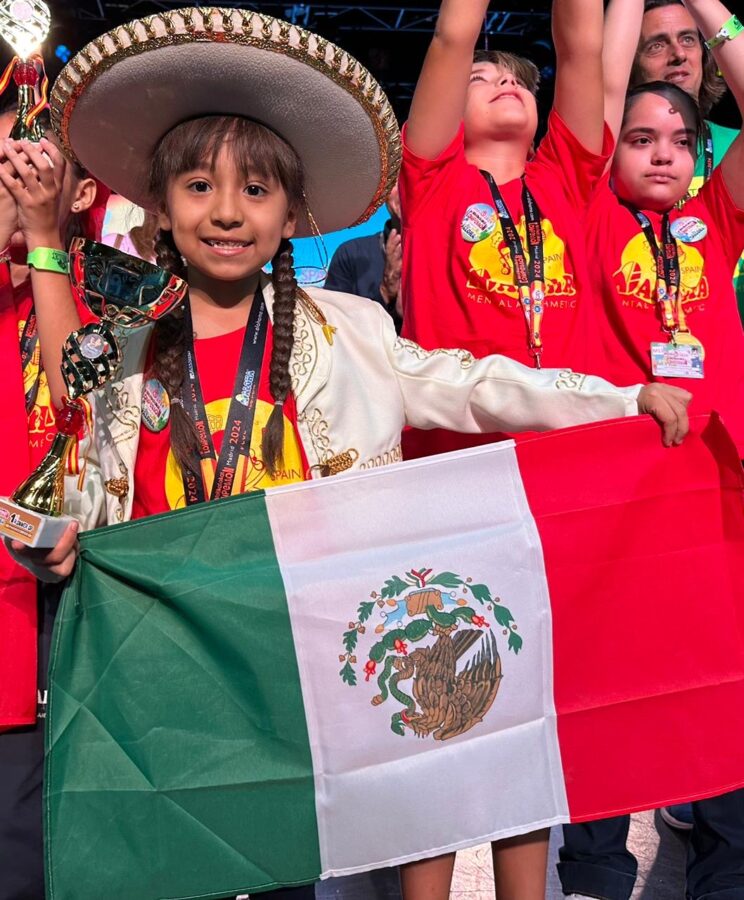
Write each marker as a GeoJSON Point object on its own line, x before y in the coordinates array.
{"type": "Point", "coordinates": [118, 96]}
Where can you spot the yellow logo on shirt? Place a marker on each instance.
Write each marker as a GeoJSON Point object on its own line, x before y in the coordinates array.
{"type": "Point", "coordinates": [492, 269]}
{"type": "Point", "coordinates": [635, 280]}
{"type": "Point", "coordinates": [254, 476]}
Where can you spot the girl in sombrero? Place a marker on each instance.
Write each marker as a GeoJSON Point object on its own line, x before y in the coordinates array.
{"type": "Point", "coordinates": [241, 132]}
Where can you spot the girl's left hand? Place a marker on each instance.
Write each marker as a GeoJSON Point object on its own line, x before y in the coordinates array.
{"type": "Point", "coordinates": [35, 182]}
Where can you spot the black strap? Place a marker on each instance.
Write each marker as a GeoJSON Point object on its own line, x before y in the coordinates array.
{"type": "Point", "coordinates": [529, 272]}
{"type": "Point", "coordinates": [239, 426]}
{"type": "Point", "coordinates": [29, 343]}
{"type": "Point", "coordinates": [707, 138]}
{"type": "Point", "coordinates": [668, 271]}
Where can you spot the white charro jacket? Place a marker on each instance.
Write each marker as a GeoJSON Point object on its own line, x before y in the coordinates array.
{"type": "Point", "coordinates": [356, 386]}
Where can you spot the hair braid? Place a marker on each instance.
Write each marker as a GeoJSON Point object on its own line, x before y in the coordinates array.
{"type": "Point", "coordinates": [170, 349]}
{"type": "Point", "coordinates": [280, 382]}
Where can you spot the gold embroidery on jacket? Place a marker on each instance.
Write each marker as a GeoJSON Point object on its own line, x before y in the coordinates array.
{"type": "Point", "coordinates": [384, 459]}
{"type": "Point", "coordinates": [465, 357]}
{"type": "Point", "coordinates": [304, 352]}
{"type": "Point", "coordinates": [318, 427]}
{"type": "Point", "coordinates": [568, 380]}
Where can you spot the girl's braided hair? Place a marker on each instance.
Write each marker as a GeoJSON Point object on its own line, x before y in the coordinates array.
{"type": "Point", "coordinates": [257, 151]}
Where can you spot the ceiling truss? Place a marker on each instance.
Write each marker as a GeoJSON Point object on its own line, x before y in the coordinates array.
{"type": "Point", "coordinates": [346, 17]}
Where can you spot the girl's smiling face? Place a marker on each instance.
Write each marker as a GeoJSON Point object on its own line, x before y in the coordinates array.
{"type": "Point", "coordinates": [655, 158]}
{"type": "Point", "coordinates": [227, 220]}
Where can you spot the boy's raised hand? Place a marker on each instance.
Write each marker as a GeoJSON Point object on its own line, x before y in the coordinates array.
{"type": "Point", "coordinates": [438, 103]}
{"type": "Point", "coordinates": [622, 31]}
{"type": "Point", "coordinates": [579, 87]}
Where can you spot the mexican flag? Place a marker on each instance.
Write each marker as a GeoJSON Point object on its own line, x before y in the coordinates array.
{"type": "Point", "coordinates": [379, 667]}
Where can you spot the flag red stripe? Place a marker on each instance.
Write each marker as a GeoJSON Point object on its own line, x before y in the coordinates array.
{"type": "Point", "coordinates": [643, 552]}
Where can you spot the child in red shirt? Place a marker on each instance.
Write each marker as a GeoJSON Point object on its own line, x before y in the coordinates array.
{"type": "Point", "coordinates": [663, 263]}
{"type": "Point", "coordinates": [468, 169]}
{"type": "Point", "coordinates": [47, 212]}
{"type": "Point", "coordinates": [493, 247]}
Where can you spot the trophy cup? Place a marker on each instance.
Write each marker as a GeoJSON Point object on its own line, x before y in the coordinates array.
{"type": "Point", "coordinates": [123, 292]}
{"type": "Point", "coordinates": [24, 24]}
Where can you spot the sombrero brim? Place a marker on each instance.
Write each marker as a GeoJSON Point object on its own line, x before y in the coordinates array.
{"type": "Point", "coordinates": [116, 98]}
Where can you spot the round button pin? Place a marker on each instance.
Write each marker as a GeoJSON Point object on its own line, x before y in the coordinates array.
{"type": "Point", "coordinates": [155, 405]}
{"type": "Point", "coordinates": [689, 229]}
{"type": "Point", "coordinates": [478, 223]}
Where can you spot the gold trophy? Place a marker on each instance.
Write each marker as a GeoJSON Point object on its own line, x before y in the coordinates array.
{"type": "Point", "coordinates": [123, 292]}
{"type": "Point", "coordinates": [25, 24]}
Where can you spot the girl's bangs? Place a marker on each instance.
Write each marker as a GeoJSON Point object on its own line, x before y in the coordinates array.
{"type": "Point", "coordinates": [255, 150]}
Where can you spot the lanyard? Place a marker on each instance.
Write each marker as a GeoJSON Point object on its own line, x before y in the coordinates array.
{"type": "Point", "coordinates": [528, 274]}
{"type": "Point", "coordinates": [668, 288]}
{"type": "Point", "coordinates": [707, 151]}
{"type": "Point", "coordinates": [29, 343]}
{"type": "Point", "coordinates": [210, 483]}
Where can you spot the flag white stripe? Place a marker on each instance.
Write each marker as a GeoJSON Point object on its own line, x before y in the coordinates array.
{"type": "Point", "coordinates": [382, 798]}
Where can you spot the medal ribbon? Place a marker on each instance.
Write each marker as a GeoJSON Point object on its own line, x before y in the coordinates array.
{"type": "Point", "coordinates": [529, 274]}
{"type": "Point", "coordinates": [29, 343]}
{"type": "Point", "coordinates": [210, 482]}
{"type": "Point", "coordinates": [707, 150]}
{"type": "Point", "coordinates": [668, 276]}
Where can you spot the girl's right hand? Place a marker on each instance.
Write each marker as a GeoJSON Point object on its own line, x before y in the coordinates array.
{"type": "Point", "coordinates": [48, 565]}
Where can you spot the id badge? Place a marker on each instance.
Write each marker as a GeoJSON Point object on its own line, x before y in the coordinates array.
{"type": "Point", "coordinates": [676, 360]}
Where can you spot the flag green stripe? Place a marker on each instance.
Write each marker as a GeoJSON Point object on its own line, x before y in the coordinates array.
{"type": "Point", "coordinates": [178, 758]}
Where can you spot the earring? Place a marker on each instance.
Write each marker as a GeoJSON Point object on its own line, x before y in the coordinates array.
{"type": "Point", "coordinates": [75, 207]}
{"type": "Point", "coordinates": [320, 246]}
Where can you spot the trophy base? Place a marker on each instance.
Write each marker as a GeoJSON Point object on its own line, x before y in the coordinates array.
{"type": "Point", "coordinates": [31, 528]}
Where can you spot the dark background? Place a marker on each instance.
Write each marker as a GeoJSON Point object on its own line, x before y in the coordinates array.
{"type": "Point", "coordinates": [389, 38]}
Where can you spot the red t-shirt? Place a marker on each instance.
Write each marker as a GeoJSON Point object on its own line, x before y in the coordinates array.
{"type": "Point", "coordinates": [158, 485]}
{"type": "Point", "coordinates": [462, 294]}
{"type": "Point", "coordinates": [624, 268]}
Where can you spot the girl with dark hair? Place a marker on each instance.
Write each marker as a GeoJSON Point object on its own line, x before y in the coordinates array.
{"type": "Point", "coordinates": [658, 40]}
{"type": "Point", "coordinates": [662, 265]}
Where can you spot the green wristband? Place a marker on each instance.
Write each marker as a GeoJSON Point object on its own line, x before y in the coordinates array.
{"type": "Point", "coordinates": [46, 259]}
{"type": "Point", "coordinates": [727, 32]}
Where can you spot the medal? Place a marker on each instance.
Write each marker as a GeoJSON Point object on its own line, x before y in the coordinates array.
{"type": "Point", "coordinates": [478, 223]}
{"type": "Point", "coordinates": [155, 405]}
{"type": "Point", "coordinates": [689, 229]}
{"type": "Point", "coordinates": [685, 339]}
